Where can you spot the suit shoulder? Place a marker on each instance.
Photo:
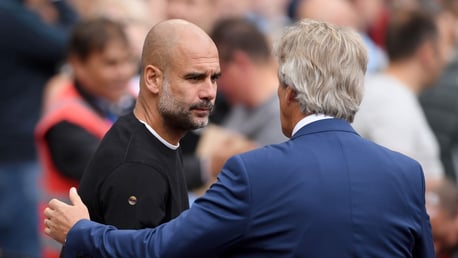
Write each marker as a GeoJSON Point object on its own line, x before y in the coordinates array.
{"type": "Point", "coordinates": [397, 157]}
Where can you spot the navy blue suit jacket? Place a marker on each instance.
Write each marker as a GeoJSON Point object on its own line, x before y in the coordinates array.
{"type": "Point", "coordinates": [326, 192]}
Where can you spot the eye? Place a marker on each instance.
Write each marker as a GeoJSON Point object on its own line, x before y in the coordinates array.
{"type": "Point", "coordinates": [215, 77]}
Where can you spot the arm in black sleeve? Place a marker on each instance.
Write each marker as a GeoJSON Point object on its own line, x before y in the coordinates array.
{"type": "Point", "coordinates": [71, 148]}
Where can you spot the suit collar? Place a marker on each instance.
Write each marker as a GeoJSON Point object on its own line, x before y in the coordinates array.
{"type": "Point", "coordinates": [332, 124]}
{"type": "Point", "coordinates": [308, 120]}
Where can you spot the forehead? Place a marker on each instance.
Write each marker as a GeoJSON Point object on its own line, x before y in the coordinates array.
{"type": "Point", "coordinates": [199, 56]}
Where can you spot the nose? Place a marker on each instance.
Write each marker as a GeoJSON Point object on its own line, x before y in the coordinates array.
{"type": "Point", "coordinates": [208, 89]}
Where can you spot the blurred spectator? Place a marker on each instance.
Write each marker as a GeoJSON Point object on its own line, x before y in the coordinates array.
{"type": "Point", "coordinates": [270, 16]}
{"type": "Point", "coordinates": [390, 113]}
{"type": "Point", "coordinates": [368, 12]}
{"type": "Point", "coordinates": [203, 13]}
{"type": "Point", "coordinates": [81, 111]}
{"type": "Point", "coordinates": [404, 4]}
{"type": "Point", "coordinates": [157, 10]}
{"type": "Point", "coordinates": [137, 19]}
{"type": "Point", "coordinates": [82, 7]}
{"type": "Point", "coordinates": [440, 102]}
{"type": "Point", "coordinates": [357, 14]}
{"type": "Point", "coordinates": [135, 16]}
{"type": "Point", "coordinates": [442, 207]}
{"type": "Point", "coordinates": [249, 82]}
{"type": "Point", "coordinates": [34, 35]}
{"type": "Point", "coordinates": [231, 8]}
{"type": "Point", "coordinates": [338, 12]}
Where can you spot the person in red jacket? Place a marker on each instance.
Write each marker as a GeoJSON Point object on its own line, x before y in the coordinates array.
{"type": "Point", "coordinates": [78, 112]}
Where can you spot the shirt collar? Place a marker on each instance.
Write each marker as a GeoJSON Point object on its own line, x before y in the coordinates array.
{"type": "Point", "coordinates": [169, 145]}
{"type": "Point", "coordinates": [309, 119]}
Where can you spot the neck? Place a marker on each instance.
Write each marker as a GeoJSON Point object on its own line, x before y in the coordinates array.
{"type": "Point", "coordinates": [147, 112]}
{"type": "Point", "coordinates": [409, 73]}
{"type": "Point", "coordinates": [294, 116]}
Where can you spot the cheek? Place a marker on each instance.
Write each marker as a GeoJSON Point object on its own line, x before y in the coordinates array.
{"type": "Point", "coordinates": [102, 77]}
{"type": "Point", "coordinates": [182, 95]}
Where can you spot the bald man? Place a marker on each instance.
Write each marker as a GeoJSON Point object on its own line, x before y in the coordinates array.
{"type": "Point", "coordinates": [135, 179]}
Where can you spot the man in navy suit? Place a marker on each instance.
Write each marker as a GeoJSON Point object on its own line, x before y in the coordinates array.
{"type": "Point", "coordinates": [326, 192]}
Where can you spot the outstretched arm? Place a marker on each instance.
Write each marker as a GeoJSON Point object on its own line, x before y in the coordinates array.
{"type": "Point", "coordinates": [215, 222]}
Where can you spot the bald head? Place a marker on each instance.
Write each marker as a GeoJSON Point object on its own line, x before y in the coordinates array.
{"type": "Point", "coordinates": [165, 38]}
{"type": "Point", "coordinates": [180, 66]}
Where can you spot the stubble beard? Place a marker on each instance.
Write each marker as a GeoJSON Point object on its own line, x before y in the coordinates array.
{"type": "Point", "coordinates": [179, 115]}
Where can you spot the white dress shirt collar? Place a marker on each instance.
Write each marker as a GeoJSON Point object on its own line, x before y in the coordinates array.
{"type": "Point", "coordinates": [309, 119]}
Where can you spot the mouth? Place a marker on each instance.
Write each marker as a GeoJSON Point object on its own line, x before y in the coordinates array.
{"type": "Point", "coordinates": [203, 109]}
{"type": "Point", "coordinates": [201, 112]}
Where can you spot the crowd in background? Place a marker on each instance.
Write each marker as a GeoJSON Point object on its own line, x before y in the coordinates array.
{"type": "Point", "coordinates": [410, 104]}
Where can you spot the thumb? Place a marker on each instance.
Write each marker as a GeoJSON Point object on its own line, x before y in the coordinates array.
{"type": "Point", "coordinates": [74, 197]}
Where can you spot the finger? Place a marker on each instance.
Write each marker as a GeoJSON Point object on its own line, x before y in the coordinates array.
{"type": "Point", "coordinates": [54, 204]}
{"type": "Point", "coordinates": [48, 212]}
{"type": "Point", "coordinates": [74, 197]}
{"type": "Point", "coordinates": [47, 231]}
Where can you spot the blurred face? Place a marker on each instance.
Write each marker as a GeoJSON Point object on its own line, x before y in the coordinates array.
{"type": "Point", "coordinates": [106, 74]}
{"type": "Point", "coordinates": [232, 83]}
{"type": "Point", "coordinates": [434, 62]}
{"type": "Point", "coordinates": [338, 12]}
{"type": "Point", "coordinates": [444, 226]}
{"type": "Point", "coordinates": [369, 10]}
{"type": "Point", "coordinates": [203, 13]}
{"type": "Point", "coordinates": [189, 89]}
{"type": "Point", "coordinates": [445, 232]}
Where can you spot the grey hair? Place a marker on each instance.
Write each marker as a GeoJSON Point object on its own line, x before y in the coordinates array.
{"type": "Point", "coordinates": [325, 65]}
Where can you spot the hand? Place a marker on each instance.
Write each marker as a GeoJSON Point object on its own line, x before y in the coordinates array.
{"type": "Point", "coordinates": [226, 149]}
{"type": "Point", "coordinates": [61, 217]}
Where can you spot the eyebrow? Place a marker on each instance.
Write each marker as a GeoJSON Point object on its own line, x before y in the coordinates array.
{"type": "Point", "coordinates": [194, 76]}
{"type": "Point", "coordinates": [201, 76]}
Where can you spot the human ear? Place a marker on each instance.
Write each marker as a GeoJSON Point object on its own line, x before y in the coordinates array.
{"type": "Point", "coordinates": [153, 78]}
{"type": "Point", "coordinates": [77, 65]}
{"type": "Point", "coordinates": [290, 95]}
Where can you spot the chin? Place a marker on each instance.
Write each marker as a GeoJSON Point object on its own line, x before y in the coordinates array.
{"type": "Point", "coordinates": [199, 124]}
{"type": "Point", "coordinates": [202, 124]}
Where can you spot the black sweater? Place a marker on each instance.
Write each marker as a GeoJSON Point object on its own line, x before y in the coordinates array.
{"type": "Point", "coordinates": [134, 181]}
